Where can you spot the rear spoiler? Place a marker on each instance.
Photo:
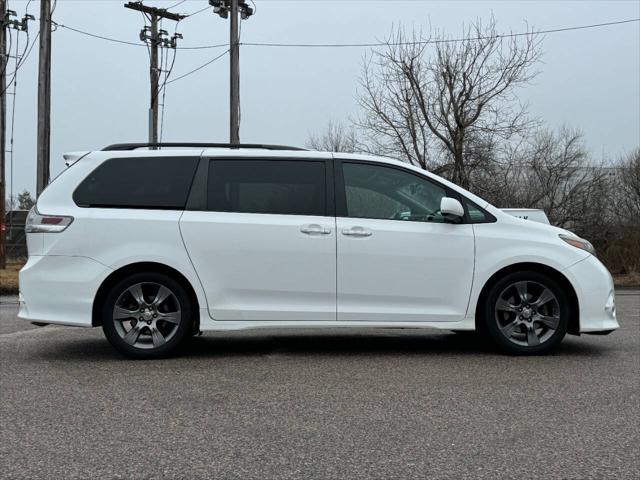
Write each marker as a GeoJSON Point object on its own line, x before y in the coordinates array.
{"type": "Point", "coordinates": [72, 157]}
{"type": "Point", "coordinates": [531, 214]}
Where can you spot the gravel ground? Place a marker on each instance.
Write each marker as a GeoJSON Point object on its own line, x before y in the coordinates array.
{"type": "Point", "coordinates": [330, 404]}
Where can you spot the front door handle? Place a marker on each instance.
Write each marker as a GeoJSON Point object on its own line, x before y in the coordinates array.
{"type": "Point", "coordinates": [315, 229]}
{"type": "Point", "coordinates": [357, 232]}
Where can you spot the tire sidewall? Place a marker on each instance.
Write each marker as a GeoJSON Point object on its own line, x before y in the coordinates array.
{"type": "Point", "coordinates": [490, 326]}
{"type": "Point", "coordinates": [172, 345]}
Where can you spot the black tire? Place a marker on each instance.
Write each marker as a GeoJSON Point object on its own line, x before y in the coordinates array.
{"type": "Point", "coordinates": [531, 318]}
{"type": "Point", "coordinates": [177, 306]}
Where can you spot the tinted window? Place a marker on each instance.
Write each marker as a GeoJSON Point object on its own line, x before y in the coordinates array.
{"type": "Point", "coordinates": [151, 182]}
{"type": "Point", "coordinates": [267, 186]}
{"type": "Point", "coordinates": [374, 191]}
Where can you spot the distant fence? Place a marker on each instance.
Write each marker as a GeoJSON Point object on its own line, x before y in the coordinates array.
{"type": "Point", "coordinates": [16, 239]}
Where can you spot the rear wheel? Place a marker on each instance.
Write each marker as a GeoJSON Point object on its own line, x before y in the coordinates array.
{"type": "Point", "coordinates": [526, 313]}
{"type": "Point", "coordinates": [147, 315]}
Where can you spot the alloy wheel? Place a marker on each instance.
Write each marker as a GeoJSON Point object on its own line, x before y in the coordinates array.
{"type": "Point", "coordinates": [147, 315]}
{"type": "Point", "coordinates": [527, 313]}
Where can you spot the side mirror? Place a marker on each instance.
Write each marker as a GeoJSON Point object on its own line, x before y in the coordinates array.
{"type": "Point", "coordinates": [451, 209]}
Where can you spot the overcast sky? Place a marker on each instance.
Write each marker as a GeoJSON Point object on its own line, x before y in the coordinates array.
{"type": "Point", "coordinates": [100, 90]}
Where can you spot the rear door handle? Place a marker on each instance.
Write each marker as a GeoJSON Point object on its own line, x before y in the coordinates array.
{"type": "Point", "coordinates": [315, 229]}
{"type": "Point", "coordinates": [357, 232]}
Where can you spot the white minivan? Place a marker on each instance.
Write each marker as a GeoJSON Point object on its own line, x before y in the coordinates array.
{"type": "Point", "coordinates": [157, 244]}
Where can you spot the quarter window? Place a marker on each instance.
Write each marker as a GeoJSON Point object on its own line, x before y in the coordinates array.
{"type": "Point", "coordinates": [476, 214]}
{"type": "Point", "coordinates": [380, 192]}
{"type": "Point", "coordinates": [141, 182]}
{"type": "Point", "coordinates": [279, 187]}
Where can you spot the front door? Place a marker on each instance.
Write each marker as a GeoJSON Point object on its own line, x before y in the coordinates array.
{"type": "Point", "coordinates": [264, 246]}
{"type": "Point", "coordinates": [397, 258]}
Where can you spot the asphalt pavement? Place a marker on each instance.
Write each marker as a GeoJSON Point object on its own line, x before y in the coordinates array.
{"type": "Point", "coordinates": [319, 404]}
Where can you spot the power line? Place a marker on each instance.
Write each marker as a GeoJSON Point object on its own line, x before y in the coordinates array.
{"type": "Point", "coordinates": [170, 70]}
{"type": "Point", "coordinates": [19, 26]}
{"type": "Point", "coordinates": [145, 18]}
{"type": "Point", "coordinates": [175, 5]}
{"type": "Point", "coordinates": [199, 68]}
{"type": "Point", "coordinates": [167, 74]}
{"type": "Point", "coordinates": [445, 40]}
{"type": "Point", "coordinates": [324, 45]}
{"type": "Point", "coordinates": [350, 45]}
{"type": "Point", "coordinates": [14, 80]}
{"type": "Point", "coordinates": [126, 42]}
{"type": "Point", "coordinates": [164, 60]}
{"type": "Point", "coordinates": [115, 40]}
{"type": "Point", "coordinates": [201, 47]}
{"type": "Point", "coordinates": [198, 11]}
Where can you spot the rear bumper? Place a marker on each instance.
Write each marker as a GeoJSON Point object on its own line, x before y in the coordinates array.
{"type": "Point", "coordinates": [596, 296]}
{"type": "Point", "coordinates": [60, 289]}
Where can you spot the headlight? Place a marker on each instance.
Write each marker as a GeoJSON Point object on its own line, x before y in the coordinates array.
{"type": "Point", "coordinates": [578, 243]}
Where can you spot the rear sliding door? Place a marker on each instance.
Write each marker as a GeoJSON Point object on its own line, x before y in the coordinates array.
{"type": "Point", "coordinates": [262, 238]}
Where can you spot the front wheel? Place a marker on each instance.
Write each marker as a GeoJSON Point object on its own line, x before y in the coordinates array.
{"type": "Point", "coordinates": [147, 315]}
{"type": "Point", "coordinates": [526, 313]}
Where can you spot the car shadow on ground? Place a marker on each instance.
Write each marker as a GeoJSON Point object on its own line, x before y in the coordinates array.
{"type": "Point", "coordinates": [239, 344]}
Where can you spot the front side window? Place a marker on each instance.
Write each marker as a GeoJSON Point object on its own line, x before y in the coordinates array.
{"type": "Point", "coordinates": [387, 193]}
{"type": "Point", "coordinates": [281, 187]}
{"type": "Point", "coordinates": [141, 182]}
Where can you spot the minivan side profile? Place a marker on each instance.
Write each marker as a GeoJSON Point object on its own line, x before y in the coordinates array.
{"type": "Point", "coordinates": [155, 245]}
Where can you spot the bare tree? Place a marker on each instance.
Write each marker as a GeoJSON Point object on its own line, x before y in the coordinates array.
{"type": "Point", "coordinates": [628, 189]}
{"type": "Point", "coordinates": [336, 138]}
{"type": "Point", "coordinates": [424, 92]}
{"type": "Point", "coordinates": [553, 171]}
{"type": "Point", "coordinates": [622, 253]}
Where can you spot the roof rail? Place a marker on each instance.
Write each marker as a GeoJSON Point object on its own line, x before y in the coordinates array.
{"type": "Point", "coordinates": [134, 146]}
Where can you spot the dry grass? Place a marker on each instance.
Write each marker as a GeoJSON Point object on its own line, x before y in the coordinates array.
{"type": "Point", "coordinates": [9, 278]}
{"type": "Point", "coordinates": [621, 255]}
{"type": "Point", "coordinates": [627, 279]}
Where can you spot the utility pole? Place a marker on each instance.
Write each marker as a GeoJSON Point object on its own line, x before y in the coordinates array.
{"type": "Point", "coordinates": [4, 60]}
{"type": "Point", "coordinates": [19, 25]}
{"type": "Point", "coordinates": [155, 38]}
{"type": "Point", "coordinates": [235, 8]}
{"type": "Point", "coordinates": [44, 97]}
{"type": "Point", "coordinates": [234, 76]}
{"type": "Point", "coordinates": [154, 77]}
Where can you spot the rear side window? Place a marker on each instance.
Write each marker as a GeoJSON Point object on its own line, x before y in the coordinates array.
{"type": "Point", "coordinates": [149, 182]}
{"type": "Point", "coordinates": [280, 187]}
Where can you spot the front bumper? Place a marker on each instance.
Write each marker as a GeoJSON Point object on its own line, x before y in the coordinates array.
{"type": "Point", "coordinates": [60, 289]}
{"type": "Point", "coordinates": [596, 295]}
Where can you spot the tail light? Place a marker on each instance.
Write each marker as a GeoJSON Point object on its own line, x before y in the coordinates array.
{"type": "Point", "coordinates": [38, 223]}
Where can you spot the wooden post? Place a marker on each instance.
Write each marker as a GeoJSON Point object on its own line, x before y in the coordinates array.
{"type": "Point", "coordinates": [234, 76]}
{"type": "Point", "coordinates": [3, 126]}
{"type": "Point", "coordinates": [153, 13]}
{"type": "Point", "coordinates": [44, 97]}
{"type": "Point", "coordinates": [154, 74]}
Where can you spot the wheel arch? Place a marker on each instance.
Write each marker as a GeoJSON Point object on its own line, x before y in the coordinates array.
{"type": "Point", "coordinates": [140, 267]}
{"type": "Point", "coordinates": [574, 317]}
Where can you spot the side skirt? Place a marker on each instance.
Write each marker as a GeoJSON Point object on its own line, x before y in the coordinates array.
{"type": "Point", "coordinates": [209, 325]}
